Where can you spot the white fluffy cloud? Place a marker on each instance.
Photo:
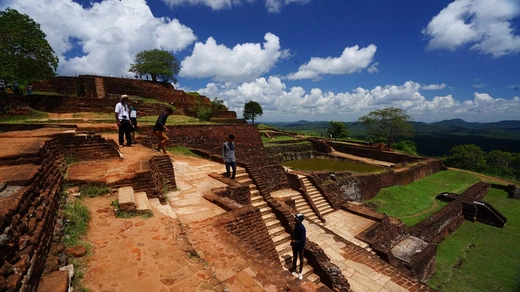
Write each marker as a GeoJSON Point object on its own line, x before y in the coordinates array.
{"type": "Point", "coordinates": [244, 62]}
{"type": "Point", "coordinates": [484, 24]}
{"type": "Point", "coordinates": [433, 86]}
{"type": "Point", "coordinates": [353, 59]}
{"type": "Point", "coordinates": [289, 104]}
{"type": "Point", "coordinates": [105, 37]}
{"type": "Point", "coordinates": [271, 5]}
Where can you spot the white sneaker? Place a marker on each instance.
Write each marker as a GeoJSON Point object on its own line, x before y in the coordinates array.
{"type": "Point", "coordinates": [300, 276]}
{"type": "Point", "coordinates": [295, 274]}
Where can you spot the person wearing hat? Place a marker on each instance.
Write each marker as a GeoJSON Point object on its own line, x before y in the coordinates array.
{"type": "Point", "coordinates": [228, 154]}
{"type": "Point", "coordinates": [298, 244]}
{"type": "Point", "coordinates": [122, 114]}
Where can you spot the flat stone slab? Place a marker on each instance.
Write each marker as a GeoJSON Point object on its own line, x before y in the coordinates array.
{"type": "Point", "coordinates": [142, 204]}
{"type": "Point", "coordinates": [126, 199]}
{"type": "Point", "coordinates": [410, 246]}
{"type": "Point", "coordinates": [18, 175]}
{"type": "Point", "coordinates": [165, 210]}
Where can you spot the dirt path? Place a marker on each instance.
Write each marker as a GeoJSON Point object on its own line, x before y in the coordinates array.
{"type": "Point", "coordinates": [140, 254]}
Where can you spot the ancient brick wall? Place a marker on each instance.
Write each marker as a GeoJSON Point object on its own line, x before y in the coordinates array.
{"type": "Point", "coordinates": [441, 224]}
{"type": "Point", "coordinates": [477, 191]}
{"type": "Point", "coordinates": [321, 146]}
{"type": "Point", "coordinates": [85, 86]}
{"type": "Point", "coordinates": [163, 175]}
{"type": "Point", "coordinates": [373, 153]}
{"type": "Point", "coordinates": [359, 188]}
{"type": "Point", "coordinates": [27, 218]}
{"type": "Point", "coordinates": [88, 147]}
{"type": "Point", "coordinates": [246, 224]}
{"type": "Point", "coordinates": [61, 85]}
{"type": "Point", "coordinates": [288, 152]}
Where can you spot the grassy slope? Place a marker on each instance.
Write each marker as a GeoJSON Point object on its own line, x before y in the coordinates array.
{"type": "Point", "coordinates": [489, 255]}
{"type": "Point", "coordinates": [415, 202]}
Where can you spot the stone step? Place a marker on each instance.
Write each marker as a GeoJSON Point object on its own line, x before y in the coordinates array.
{"type": "Point", "coordinates": [313, 278]}
{"type": "Point", "coordinates": [259, 204]}
{"type": "Point", "coordinates": [265, 209]}
{"type": "Point", "coordinates": [301, 204]}
{"type": "Point", "coordinates": [142, 203]}
{"type": "Point", "coordinates": [271, 223]}
{"type": "Point", "coordinates": [276, 230]}
{"type": "Point", "coordinates": [126, 199]}
{"type": "Point", "coordinates": [255, 199]}
{"type": "Point", "coordinates": [281, 238]}
{"type": "Point", "coordinates": [283, 245]}
{"type": "Point", "coordinates": [165, 210]}
{"type": "Point", "coordinates": [268, 216]}
{"type": "Point", "coordinates": [283, 248]}
{"type": "Point", "coordinates": [326, 211]}
{"type": "Point", "coordinates": [321, 204]}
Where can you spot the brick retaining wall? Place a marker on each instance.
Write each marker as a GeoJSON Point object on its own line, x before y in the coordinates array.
{"type": "Point", "coordinates": [373, 153]}
{"type": "Point", "coordinates": [27, 219]}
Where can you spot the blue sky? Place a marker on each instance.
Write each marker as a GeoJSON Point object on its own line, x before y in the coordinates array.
{"type": "Point", "coordinates": [317, 60]}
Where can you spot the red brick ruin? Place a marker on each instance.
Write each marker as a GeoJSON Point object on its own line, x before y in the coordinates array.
{"type": "Point", "coordinates": [29, 213]}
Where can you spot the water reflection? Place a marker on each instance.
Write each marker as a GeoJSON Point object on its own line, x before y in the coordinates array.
{"type": "Point", "coordinates": [331, 165]}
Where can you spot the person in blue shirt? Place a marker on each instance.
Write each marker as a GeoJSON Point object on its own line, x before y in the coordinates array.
{"type": "Point", "coordinates": [298, 244]}
{"type": "Point", "coordinates": [160, 128]}
{"type": "Point", "coordinates": [228, 154]}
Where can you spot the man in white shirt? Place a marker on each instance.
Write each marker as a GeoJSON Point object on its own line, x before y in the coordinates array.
{"type": "Point", "coordinates": [122, 114]}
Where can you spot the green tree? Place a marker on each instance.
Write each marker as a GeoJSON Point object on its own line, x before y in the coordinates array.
{"type": "Point", "coordinates": [499, 162]}
{"type": "Point", "coordinates": [389, 123]}
{"type": "Point", "coordinates": [469, 157]}
{"type": "Point", "coordinates": [205, 111]}
{"type": "Point", "coordinates": [406, 146]}
{"type": "Point", "coordinates": [251, 110]}
{"type": "Point", "coordinates": [25, 54]}
{"type": "Point", "coordinates": [337, 130]}
{"type": "Point", "coordinates": [159, 64]}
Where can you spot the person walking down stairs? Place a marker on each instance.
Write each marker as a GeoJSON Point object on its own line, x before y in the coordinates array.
{"type": "Point", "coordinates": [228, 154]}
{"type": "Point", "coordinates": [298, 244]}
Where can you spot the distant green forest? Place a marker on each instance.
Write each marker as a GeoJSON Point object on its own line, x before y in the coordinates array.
{"type": "Point", "coordinates": [432, 139]}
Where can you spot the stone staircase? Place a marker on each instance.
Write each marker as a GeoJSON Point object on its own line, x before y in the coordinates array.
{"type": "Point", "coordinates": [280, 237]}
{"type": "Point", "coordinates": [100, 87]}
{"type": "Point", "coordinates": [317, 198]}
{"type": "Point", "coordinates": [133, 201]}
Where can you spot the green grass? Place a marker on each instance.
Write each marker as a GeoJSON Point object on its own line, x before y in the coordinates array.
{"type": "Point", "coordinates": [489, 255]}
{"type": "Point", "coordinates": [94, 190]}
{"type": "Point", "coordinates": [172, 120]}
{"type": "Point", "coordinates": [76, 226]}
{"type": "Point", "coordinates": [182, 150]}
{"type": "Point", "coordinates": [127, 214]}
{"type": "Point", "coordinates": [21, 115]}
{"type": "Point", "coordinates": [415, 202]}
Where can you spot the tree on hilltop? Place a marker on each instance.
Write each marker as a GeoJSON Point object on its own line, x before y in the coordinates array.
{"type": "Point", "coordinates": [337, 130]}
{"type": "Point", "coordinates": [25, 54]}
{"type": "Point", "coordinates": [251, 110]}
{"type": "Point", "coordinates": [389, 124]}
{"type": "Point", "coordinates": [159, 64]}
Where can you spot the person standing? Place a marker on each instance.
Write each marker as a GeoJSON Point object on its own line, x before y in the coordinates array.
{"type": "Point", "coordinates": [123, 121]}
{"type": "Point", "coordinates": [298, 244]}
{"type": "Point", "coordinates": [160, 128]}
{"type": "Point", "coordinates": [228, 154]}
{"type": "Point", "coordinates": [29, 89]}
{"type": "Point", "coordinates": [133, 121]}
{"type": "Point", "coordinates": [2, 85]}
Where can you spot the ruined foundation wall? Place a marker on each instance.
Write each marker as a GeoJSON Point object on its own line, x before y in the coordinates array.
{"type": "Point", "coordinates": [441, 224]}
{"type": "Point", "coordinates": [27, 221]}
{"type": "Point", "coordinates": [373, 153]}
{"type": "Point", "coordinates": [364, 187]}
{"type": "Point", "coordinates": [290, 152]}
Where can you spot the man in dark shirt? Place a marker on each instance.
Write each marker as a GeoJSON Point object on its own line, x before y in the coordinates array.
{"type": "Point", "coordinates": [160, 127]}
{"type": "Point", "coordinates": [298, 244]}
